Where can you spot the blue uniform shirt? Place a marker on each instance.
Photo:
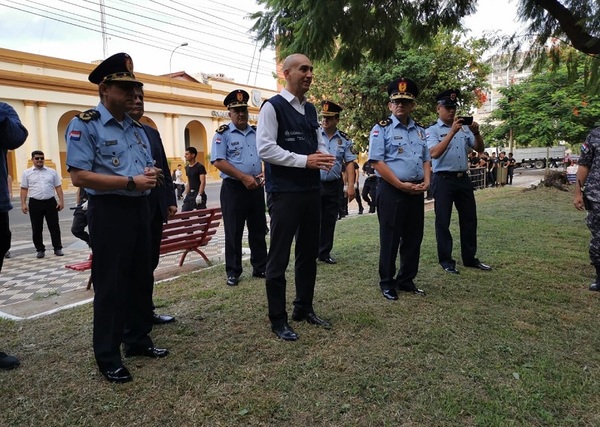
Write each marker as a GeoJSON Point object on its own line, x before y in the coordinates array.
{"type": "Point", "coordinates": [456, 156]}
{"type": "Point", "coordinates": [238, 147]}
{"type": "Point", "coordinates": [341, 147]}
{"type": "Point", "coordinates": [105, 146]}
{"type": "Point", "coordinates": [402, 148]}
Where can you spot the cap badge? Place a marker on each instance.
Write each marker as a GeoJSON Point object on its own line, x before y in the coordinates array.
{"type": "Point", "coordinates": [453, 96]}
{"type": "Point", "coordinates": [402, 87]}
{"type": "Point", "coordinates": [239, 96]}
{"type": "Point", "coordinates": [326, 107]}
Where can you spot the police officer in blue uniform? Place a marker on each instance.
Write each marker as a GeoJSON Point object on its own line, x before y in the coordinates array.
{"type": "Point", "coordinates": [339, 145]}
{"type": "Point", "coordinates": [449, 142]}
{"type": "Point", "coordinates": [108, 153]}
{"type": "Point", "coordinates": [242, 191]}
{"type": "Point", "coordinates": [398, 153]}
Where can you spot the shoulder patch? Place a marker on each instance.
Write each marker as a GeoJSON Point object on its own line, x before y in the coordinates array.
{"type": "Point", "coordinates": [385, 122]}
{"type": "Point", "coordinates": [88, 115]}
{"type": "Point", "coordinates": [222, 128]}
{"type": "Point", "coordinates": [344, 135]}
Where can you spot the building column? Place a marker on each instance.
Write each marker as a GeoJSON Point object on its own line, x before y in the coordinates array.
{"type": "Point", "coordinates": [30, 124]}
{"type": "Point", "coordinates": [42, 109]}
{"type": "Point", "coordinates": [176, 136]}
{"type": "Point", "coordinates": [169, 132]}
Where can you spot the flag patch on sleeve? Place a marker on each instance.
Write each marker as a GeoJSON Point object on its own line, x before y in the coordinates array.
{"type": "Point", "coordinates": [376, 133]}
{"type": "Point", "coordinates": [75, 135]}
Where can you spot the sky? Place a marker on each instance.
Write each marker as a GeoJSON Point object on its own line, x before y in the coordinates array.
{"type": "Point", "coordinates": [151, 31]}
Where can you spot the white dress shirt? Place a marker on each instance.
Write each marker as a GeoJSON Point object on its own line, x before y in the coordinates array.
{"type": "Point", "coordinates": [41, 183]}
{"type": "Point", "coordinates": [266, 135]}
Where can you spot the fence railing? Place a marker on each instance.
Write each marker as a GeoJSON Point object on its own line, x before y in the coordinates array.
{"type": "Point", "coordinates": [478, 177]}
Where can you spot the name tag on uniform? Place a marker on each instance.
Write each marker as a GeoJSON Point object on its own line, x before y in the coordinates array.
{"type": "Point", "coordinates": [441, 136]}
{"type": "Point", "coordinates": [109, 143]}
{"type": "Point", "coordinates": [397, 137]}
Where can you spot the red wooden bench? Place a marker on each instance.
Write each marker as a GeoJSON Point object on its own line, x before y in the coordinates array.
{"type": "Point", "coordinates": [189, 231]}
{"type": "Point", "coordinates": [82, 266]}
{"type": "Point", "coordinates": [185, 231]}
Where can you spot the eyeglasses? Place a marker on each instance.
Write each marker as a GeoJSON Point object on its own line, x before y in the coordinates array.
{"type": "Point", "coordinates": [38, 158]}
{"type": "Point", "coordinates": [402, 101]}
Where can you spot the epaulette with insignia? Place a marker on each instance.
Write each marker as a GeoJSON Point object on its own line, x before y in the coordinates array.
{"type": "Point", "coordinates": [385, 122]}
{"type": "Point", "coordinates": [344, 135]}
{"type": "Point", "coordinates": [88, 115]}
{"type": "Point", "coordinates": [136, 123]}
{"type": "Point", "coordinates": [222, 128]}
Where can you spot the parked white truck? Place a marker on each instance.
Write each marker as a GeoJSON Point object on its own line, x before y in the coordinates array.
{"type": "Point", "coordinates": [534, 156]}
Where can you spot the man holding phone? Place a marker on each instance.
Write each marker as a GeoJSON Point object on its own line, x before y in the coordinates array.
{"type": "Point", "coordinates": [449, 140]}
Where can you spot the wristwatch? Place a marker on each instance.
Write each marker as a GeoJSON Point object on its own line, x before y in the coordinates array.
{"type": "Point", "coordinates": [130, 183]}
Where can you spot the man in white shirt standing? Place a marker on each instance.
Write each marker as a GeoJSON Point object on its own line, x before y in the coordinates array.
{"type": "Point", "coordinates": [289, 141]}
{"type": "Point", "coordinates": [42, 184]}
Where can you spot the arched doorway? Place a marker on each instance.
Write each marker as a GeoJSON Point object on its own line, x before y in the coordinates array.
{"type": "Point", "coordinates": [61, 128]}
{"type": "Point", "coordinates": [148, 121]}
{"type": "Point", "coordinates": [195, 136]}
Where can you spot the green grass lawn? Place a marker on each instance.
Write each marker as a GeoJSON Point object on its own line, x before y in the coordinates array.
{"type": "Point", "coordinates": [517, 346]}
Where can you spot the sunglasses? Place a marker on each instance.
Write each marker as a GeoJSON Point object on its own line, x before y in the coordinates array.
{"type": "Point", "coordinates": [402, 101]}
{"type": "Point", "coordinates": [38, 158]}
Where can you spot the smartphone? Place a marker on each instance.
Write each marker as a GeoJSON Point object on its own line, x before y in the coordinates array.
{"type": "Point", "coordinates": [466, 120]}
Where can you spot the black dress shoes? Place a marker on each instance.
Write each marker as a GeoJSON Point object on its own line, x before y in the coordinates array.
{"type": "Point", "coordinates": [311, 318]}
{"type": "Point", "coordinates": [285, 332]}
{"type": "Point", "coordinates": [451, 270]}
{"type": "Point", "coordinates": [390, 294]}
{"type": "Point", "coordinates": [328, 260]}
{"type": "Point", "coordinates": [410, 287]}
{"type": "Point", "coordinates": [232, 281]}
{"type": "Point", "coordinates": [161, 319]}
{"type": "Point", "coordinates": [480, 266]}
{"type": "Point", "coordinates": [8, 362]}
{"type": "Point", "coordinates": [594, 287]}
{"type": "Point", "coordinates": [147, 352]}
{"type": "Point", "coordinates": [259, 274]}
{"type": "Point", "coordinates": [120, 375]}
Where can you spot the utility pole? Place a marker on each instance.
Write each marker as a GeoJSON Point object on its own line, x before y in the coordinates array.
{"type": "Point", "coordinates": [103, 27]}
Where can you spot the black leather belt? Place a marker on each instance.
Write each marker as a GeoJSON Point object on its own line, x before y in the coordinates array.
{"type": "Point", "coordinates": [452, 174]}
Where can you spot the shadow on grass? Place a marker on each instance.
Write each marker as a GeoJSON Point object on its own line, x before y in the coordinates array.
{"type": "Point", "coordinates": [515, 346]}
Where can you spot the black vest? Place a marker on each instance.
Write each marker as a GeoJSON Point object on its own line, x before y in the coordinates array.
{"type": "Point", "coordinates": [296, 133]}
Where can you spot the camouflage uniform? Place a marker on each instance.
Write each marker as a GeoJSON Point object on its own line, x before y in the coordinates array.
{"type": "Point", "coordinates": [590, 157]}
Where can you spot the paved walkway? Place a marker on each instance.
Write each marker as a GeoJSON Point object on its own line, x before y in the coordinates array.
{"type": "Point", "coordinates": [31, 287]}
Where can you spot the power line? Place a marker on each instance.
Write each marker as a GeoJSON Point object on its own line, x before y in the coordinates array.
{"type": "Point", "coordinates": [115, 33]}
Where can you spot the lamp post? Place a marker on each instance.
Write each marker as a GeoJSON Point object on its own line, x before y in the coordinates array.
{"type": "Point", "coordinates": [172, 52]}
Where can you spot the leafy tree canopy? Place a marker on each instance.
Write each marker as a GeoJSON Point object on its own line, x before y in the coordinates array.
{"type": "Point", "coordinates": [447, 63]}
{"type": "Point", "coordinates": [548, 107]}
{"type": "Point", "coordinates": [350, 31]}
